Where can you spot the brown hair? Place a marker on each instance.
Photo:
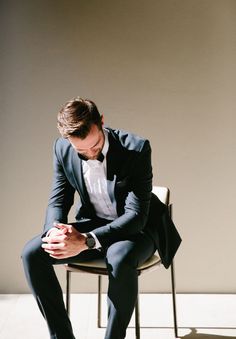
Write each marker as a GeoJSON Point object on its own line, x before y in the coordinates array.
{"type": "Point", "coordinates": [77, 116]}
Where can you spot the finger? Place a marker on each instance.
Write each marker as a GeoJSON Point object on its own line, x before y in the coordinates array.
{"type": "Point", "coordinates": [58, 238]}
{"type": "Point", "coordinates": [55, 239]}
{"type": "Point", "coordinates": [46, 239]}
{"type": "Point", "coordinates": [49, 251]}
{"type": "Point", "coordinates": [55, 253]}
{"type": "Point", "coordinates": [64, 230]}
{"type": "Point", "coordinates": [60, 231]}
{"type": "Point", "coordinates": [66, 227]}
{"type": "Point", "coordinates": [59, 256]}
{"type": "Point", "coordinates": [60, 225]}
{"type": "Point", "coordinates": [56, 223]}
{"type": "Point", "coordinates": [53, 246]}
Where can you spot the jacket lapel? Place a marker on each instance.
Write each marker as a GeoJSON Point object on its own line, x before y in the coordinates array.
{"type": "Point", "coordinates": [79, 178]}
{"type": "Point", "coordinates": [114, 162]}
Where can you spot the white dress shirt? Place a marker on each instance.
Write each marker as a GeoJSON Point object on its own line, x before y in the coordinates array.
{"type": "Point", "coordinates": [95, 177]}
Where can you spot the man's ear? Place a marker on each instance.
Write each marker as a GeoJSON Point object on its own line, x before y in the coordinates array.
{"type": "Point", "coordinates": [102, 119]}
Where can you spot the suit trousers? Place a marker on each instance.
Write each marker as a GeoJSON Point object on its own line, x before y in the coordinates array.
{"type": "Point", "coordinates": [122, 259]}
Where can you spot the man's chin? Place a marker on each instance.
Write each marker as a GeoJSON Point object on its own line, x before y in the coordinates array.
{"type": "Point", "coordinates": [94, 157]}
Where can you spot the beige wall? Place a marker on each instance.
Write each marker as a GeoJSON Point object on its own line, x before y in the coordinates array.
{"type": "Point", "coordinates": [163, 69]}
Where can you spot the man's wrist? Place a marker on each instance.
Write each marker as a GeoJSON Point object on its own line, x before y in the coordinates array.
{"type": "Point", "coordinates": [90, 241]}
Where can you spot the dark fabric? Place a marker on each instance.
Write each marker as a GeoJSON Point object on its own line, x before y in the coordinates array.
{"type": "Point", "coordinates": [122, 259]}
{"type": "Point", "coordinates": [163, 231]}
{"type": "Point", "coordinates": [44, 285]}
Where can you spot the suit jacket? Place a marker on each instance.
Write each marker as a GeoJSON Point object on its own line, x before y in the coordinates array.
{"type": "Point", "coordinates": [129, 180]}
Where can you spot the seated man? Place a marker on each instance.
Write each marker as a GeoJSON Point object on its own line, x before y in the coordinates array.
{"type": "Point", "coordinates": [112, 173]}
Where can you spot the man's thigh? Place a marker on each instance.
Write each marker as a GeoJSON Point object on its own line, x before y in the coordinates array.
{"type": "Point", "coordinates": [134, 251]}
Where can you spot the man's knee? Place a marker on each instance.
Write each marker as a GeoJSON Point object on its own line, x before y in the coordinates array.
{"type": "Point", "coordinates": [31, 250]}
{"type": "Point", "coordinates": [127, 255]}
{"type": "Point", "coordinates": [120, 257]}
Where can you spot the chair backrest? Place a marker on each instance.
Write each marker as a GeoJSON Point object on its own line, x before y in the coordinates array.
{"type": "Point", "coordinates": [163, 193]}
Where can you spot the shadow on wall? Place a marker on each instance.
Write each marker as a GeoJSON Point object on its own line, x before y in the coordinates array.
{"type": "Point", "coordinates": [195, 335]}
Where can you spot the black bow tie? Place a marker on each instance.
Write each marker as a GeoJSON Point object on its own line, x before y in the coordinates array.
{"type": "Point", "coordinates": [100, 157]}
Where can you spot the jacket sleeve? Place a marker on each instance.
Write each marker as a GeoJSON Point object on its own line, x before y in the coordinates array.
{"type": "Point", "coordinates": [62, 194]}
{"type": "Point", "coordinates": [137, 202]}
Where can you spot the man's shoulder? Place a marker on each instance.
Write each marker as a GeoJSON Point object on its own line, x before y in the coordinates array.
{"type": "Point", "coordinates": [128, 140]}
{"type": "Point", "coordinates": [62, 145]}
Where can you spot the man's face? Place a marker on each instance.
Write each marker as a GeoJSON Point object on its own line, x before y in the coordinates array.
{"type": "Point", "coordinates": [91, 146]}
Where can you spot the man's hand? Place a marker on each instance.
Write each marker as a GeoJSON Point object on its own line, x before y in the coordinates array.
{"type": "Point", "coordinates": [64, 241]}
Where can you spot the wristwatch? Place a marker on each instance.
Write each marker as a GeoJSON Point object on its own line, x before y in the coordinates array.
{"type": "Point", "coordinates": [90, 241]}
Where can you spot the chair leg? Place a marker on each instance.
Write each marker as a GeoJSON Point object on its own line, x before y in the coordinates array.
{"type": "Point", "coordinates": [99, 301]}
{"type": "Point", "coordinates": [174, 298]}
{"type": "Point", "coordinates": [137, 318]}
{"type": "Point", "coordinates": [68, 284]}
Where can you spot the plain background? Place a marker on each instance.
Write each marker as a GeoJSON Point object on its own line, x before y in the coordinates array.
{"type": "Point", "coordinates": [163, 69]}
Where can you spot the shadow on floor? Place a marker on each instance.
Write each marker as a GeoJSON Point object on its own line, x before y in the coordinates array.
{"type": "Point", "coordinates": [195, 335]}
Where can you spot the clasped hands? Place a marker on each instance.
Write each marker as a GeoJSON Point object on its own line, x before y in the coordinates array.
{"type": "Point", "coordinates": [64, 241]}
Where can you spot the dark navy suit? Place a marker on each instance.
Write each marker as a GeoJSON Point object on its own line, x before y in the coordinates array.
{"type": "Point", "coordinates": [126, 241]}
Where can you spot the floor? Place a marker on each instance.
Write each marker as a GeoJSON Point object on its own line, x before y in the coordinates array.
{"type": "Point", "coordinates": [199, 317]}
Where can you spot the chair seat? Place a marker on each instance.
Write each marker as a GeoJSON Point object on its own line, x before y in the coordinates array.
{"type": "Point", "coordinates": [98, 266]}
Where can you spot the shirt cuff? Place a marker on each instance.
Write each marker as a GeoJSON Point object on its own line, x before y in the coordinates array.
{"type": "Point", "coordinates": [97, 242]}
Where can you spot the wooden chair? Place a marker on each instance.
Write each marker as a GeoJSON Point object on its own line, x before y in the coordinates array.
{"type": "Point", "coordinates": [98, 267]}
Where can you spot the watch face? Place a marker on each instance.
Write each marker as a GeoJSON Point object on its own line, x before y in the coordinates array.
{"type": "Point", "coordinates": [90, 242]}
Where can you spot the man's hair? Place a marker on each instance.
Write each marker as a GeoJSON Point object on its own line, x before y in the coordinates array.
{"type": "Point", "coordinates": [76, 118]}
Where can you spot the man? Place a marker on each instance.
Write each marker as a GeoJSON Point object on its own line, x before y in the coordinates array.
{"type": "Point", "coordinates": [112, 173]}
